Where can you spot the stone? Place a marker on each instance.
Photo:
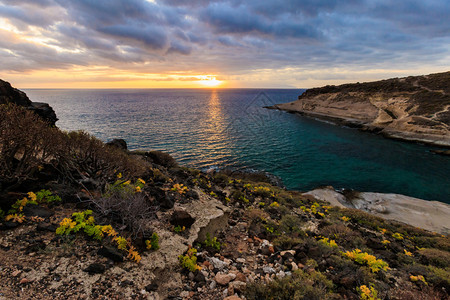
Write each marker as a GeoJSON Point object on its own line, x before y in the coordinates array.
{"type": "Point", "coordinates": [237, 286]}
{"type": "Point", "coordinates": [223, 279]}
{"type": "Point", "coordinates": [111, 253]}
{"type": "Point", "coordinates": [38, 211]}
{"type": "Point", "coordinates": [212, 285]}
{"type": "Point", "coordinates": [165, 201]}
{"type": "Point", "coordinates": [240, 277]}
{"type": "Point", "coordinates": [199, 277]}
{"type": "Point", "coordinates": [118, 143]}
{"type": "Point", "coordinates": [152, 287]}
{"type": "Point", "coordinates": [95, 268]}
{"type": "Point", "coordinates": [8, 94]}
{"type": "Point", "coordinates": [43, 226]}
{"type": "Point", "coordinates": [217, 263]}
{"type": "Point", "coordinates": [268, 270]}
{"type": "Point", "coordinates": [16, 273]}
{"type": "Point", "coordinates": [181, 218]}
{"type": "Point", "coordinates": [233, 297]}
{"type": "Point", "coordinates": [25, 280]}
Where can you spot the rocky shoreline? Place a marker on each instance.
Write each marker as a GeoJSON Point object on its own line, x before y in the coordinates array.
{"type": "Point", "coordinates": [413, 109]}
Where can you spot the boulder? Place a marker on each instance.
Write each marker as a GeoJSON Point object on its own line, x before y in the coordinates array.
{"type": "Point", "coordinates": [8, 94]}
{"type": "Point", "coordinates": [118, 143]}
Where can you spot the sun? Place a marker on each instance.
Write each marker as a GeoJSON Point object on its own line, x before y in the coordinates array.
{"type": "Point", "coordinates": [210, 81]}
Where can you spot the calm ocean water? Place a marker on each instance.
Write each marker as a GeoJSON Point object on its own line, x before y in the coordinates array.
{"type": "Point", "coordinates": [229, 128]}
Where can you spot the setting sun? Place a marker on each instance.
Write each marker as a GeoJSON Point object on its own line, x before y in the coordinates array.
{"type": "Point", "coordinates": [210, 81]}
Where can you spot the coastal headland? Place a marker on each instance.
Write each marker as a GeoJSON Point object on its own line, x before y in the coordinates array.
{"type": "Point", "coordinates": [415, 108]}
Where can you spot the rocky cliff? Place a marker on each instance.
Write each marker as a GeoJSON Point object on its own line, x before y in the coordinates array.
{"type": "Point", "coordinates": [412, 108]}
{"type": "Point", "coordinates": [8, 94]}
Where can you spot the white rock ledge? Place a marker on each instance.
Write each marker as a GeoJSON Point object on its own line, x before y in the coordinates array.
{"type": "Point", "coordinates": [430, 215]}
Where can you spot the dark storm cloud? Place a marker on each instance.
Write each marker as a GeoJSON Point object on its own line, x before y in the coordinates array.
{"type": "Point", "coordinates": [231, 35]}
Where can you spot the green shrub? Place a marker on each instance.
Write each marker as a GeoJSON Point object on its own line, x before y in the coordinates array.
{"type": "Point", "coordinates": [301, 285]}
{"type": "Point", "coordinates": [153, 243]}
{"type": "Point", "coordinates": [189, 260]}
{"type": "Point", "coordinates": [212, 242]}
{"type": "Point", "coordinates": [436, 257]}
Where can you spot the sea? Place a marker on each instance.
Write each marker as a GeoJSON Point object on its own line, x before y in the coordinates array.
{"type": "Point", "coordinates": [230, 128]}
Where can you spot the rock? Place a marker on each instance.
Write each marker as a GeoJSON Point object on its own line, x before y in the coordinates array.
{"type": "Point", "coordinates": [45, 111]}
{"type": "Point", "coordinates": [10, 225]}
{"type": "Point", "coordinates": [268, 270]}
{"type": "Point", "coordinates": [192, 194]}
{"type": "Point", "coordinates": [237, 286]}
{"type": "Point", "coordinates": [43, 226]}
{"type": "Point", "coordinates": [161, 158]}
{"type": "Point", "coordinates": [217, 263]}
{"type": "Point", "coordinates": [223, 279]}
{"type": "Point", "coordinates": [233, 297]}
{"type": "Point", "coordinates": [95, 268]}
{"type": "Point", "coordinates": [16, 273]}
{"type": "Point", "coordinates": [212, 285]}
{"type": "Point", "coordinates": [111, 253]}
{"type": "Point", "coordinates": [241, 277]}
{"type": "Point", "coordinates": [118, 143]}
{"type": "Point", "coordinates": [25, 280]}
{"type": "Point", "coordinates": [191, 276]}
{"type": "Point", "coordinates": [8, 94]}
{"type": "Point", "coordinates": [152, 287]}
{"type": "Point", "coordinates": [181, 218]}
{"type": "Point", "coordinates": [164, 200]}
{"type": "Point", "coordinates": [31, 210]}
{"type": "Point", "coordinates": [199, 277]}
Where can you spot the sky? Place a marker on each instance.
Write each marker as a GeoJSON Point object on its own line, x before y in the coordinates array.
{"type": "Point", "coordinates": [229, 44]}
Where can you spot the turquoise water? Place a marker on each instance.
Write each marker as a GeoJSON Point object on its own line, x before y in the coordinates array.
{"type": "Point", "coordinates": [229, 128]}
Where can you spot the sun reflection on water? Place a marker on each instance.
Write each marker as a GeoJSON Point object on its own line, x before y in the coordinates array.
{"type": "Point", "coordinates": [217, 139]}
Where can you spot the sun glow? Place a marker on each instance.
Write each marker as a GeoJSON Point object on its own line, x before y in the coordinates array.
{"type": "Point", "coordinates": [210, 81]}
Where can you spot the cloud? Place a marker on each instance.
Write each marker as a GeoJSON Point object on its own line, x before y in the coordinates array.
{"type": "Point", "coordinates": [228, 37]}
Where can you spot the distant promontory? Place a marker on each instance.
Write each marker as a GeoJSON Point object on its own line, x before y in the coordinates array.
{"type": "Point", "coordinates": [415, 108]}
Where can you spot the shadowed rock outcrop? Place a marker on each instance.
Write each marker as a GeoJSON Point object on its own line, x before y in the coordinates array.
{"type": "Point", "coordinates": [8, 94]}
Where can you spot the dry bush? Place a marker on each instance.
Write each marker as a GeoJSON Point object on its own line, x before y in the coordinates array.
{"type": "Point", "coordinates": [26, 143]}
{"type": "Point", "coordinates": [132, 210]}
{"type": "Point", "coordinates": [84, 156]}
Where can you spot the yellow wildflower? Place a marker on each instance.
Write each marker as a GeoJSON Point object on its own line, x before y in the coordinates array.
{"type": "Point", "coordinates": [119, 175]}
{"type": "Point", "coordinates": [138, 189]}
{"type": "Point", "coordinates": [141, 180]}
{"type": "Point", "coordinates": [127, 182]}
{"type": "Point", "coordinates": [407, 252]}
{"type": "Point", "coordinates": [32, 196]}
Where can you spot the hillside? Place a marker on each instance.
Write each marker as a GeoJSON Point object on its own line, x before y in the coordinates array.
{"type": "Point", "coordinates": [412, 108]}
{"type": "Point", "coordinates": [81, 219]}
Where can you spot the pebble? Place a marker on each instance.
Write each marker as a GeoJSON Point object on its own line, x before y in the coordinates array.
{"type": "Point", "coordinates": [241, 277]}
{"type": "Point", "coordinates": [233, 297]}
{"type": "Point", "coordinates": [240, 260]}
{"type": "Point", "coordinates": [269, 270]}
{"type": "Point", "coordinates": [24, 280]}
{"type": "Point", "coordinates": [217, 263]}
{"type": "Point", "coordinates": [224, 279]}
{"type": "Point", "coordinates": [16, 273]}
{"type": "Point", "coordinates": [294, 266]}
{"type": "Point", "coordinates": [212, 285]}
{"type": "Point", "coordinates": [237, 286]}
